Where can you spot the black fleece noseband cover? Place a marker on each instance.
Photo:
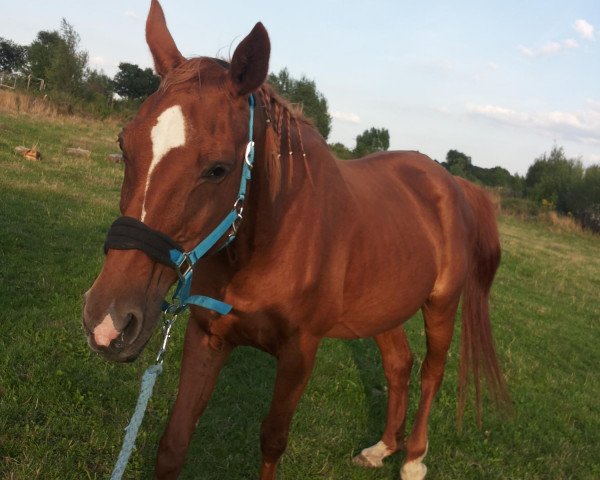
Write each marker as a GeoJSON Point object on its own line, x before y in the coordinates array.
{"type": "Point", "coordinates": [127, 233]}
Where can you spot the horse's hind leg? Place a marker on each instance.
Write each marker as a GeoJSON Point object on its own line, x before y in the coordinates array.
{"type": "Point", "coordinates": [439, 326]}
{"type": "Point", "coordinates": [397, 363]}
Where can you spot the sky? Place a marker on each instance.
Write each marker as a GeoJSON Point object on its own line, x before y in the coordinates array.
{"type": "Point", "coordinates": [502, 81]}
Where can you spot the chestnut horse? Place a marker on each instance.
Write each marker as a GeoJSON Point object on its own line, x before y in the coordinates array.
{"type": "Point", "coordinates": [326, 248]}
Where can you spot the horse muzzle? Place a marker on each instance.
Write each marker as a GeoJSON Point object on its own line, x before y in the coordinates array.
{"type": "Point", "coordinates": [117, 333]}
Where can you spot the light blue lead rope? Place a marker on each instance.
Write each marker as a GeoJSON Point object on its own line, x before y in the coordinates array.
{"type": "Point", "coordinates": [148, 381]}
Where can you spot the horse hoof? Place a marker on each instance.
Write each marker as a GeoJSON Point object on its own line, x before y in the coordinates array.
{"type": "Point", "coordinates": [413, 471]}
{"type": "Point", "coordinates": [372, 457]}
{"type": "Point", "coordinates": [363, 461]}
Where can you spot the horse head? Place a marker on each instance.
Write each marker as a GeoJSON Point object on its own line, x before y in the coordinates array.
{"type": "Point", "coordinates": [183, 156]}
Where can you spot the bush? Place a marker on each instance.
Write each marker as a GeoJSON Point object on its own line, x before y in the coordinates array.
{"type": "Point", "coordinates": [521, 207]}
{"type": "Point", "coordinates": [590, 218]}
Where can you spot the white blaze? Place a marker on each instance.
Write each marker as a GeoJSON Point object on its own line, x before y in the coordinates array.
{"type": "Point", "coordinates": [168, 133]}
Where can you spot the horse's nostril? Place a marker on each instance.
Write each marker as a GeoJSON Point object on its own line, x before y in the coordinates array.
{"type": "Point", "coordinates": [128, 333]}
{"type": "Point", "coordinates": [118, 343]}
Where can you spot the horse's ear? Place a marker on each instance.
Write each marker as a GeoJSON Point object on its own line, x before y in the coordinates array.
{"type": "Point", "coordinates": [159, 39]}
{"type": "Point", "coordinates": [250, 62]}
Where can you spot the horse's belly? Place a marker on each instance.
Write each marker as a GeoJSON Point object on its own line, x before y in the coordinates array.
{"type": "Point", "coordinates": [377, 307]}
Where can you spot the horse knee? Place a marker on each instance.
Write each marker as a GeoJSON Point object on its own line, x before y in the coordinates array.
{"type": "Point", "coordinates": [273, 443]}
{"type": "Point", "coordinates": [169, 460]}
{"type": "Point", "coordinates": [398, 373]}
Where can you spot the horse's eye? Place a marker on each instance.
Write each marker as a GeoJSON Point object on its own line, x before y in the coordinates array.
{"type": "Point", "coordinates": [216, 173]}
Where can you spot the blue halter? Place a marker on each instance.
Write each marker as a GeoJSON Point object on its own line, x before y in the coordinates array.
{"type": "Point", "coordinates": [185, 261]}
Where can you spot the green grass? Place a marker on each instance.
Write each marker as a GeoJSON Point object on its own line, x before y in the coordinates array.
{"type": "Point", "coordinates": [63, 409]}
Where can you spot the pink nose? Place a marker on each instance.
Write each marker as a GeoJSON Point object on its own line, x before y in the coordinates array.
{"type": "Point", "coordinates": [105, 332]}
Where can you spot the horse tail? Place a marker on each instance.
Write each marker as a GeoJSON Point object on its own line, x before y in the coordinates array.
{"type": "Point", "coordinates": [478, 353]}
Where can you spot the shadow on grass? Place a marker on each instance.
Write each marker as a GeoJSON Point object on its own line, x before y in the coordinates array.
{"type": "Point", "coordinates": [226, 443]}
{"type": "Point", "coordinates": [367, 359]}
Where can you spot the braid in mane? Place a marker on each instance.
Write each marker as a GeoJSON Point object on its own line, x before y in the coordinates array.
{"type": "Point", "coordinates": [279, 116]}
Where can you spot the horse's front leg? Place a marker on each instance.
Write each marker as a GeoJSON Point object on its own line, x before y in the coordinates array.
{"type": "Point", "coordinates": [295, 363]}
{"type": "Point", "coordinates": [203, 357]}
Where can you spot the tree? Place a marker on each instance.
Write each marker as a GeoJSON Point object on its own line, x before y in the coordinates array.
{"type": "Point", "coordinates": [55, 57]}
{"type": "Point", "coordinates": [371, 141]}
{"type": "Point", "coordinates": [41, 51]}
{"type": "Point", "coordinates": [457, 163]}
{"type": "Point", "coordinates": [341, 151]}
{"type": "Point", "coordinates": [97, 83]}
{"type": "Point", "coordinates": [12, 56]}
{"type": "Point", "coordinates": [555, 178]}
{"type": "Point", "coordinates": [303, 92]}
{"type": "Point", "coordinates": [584, 191]}
{"type": "Point", "coordinates": [133, 82]}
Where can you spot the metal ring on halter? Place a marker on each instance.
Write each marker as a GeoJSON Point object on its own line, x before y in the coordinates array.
{"type": "Point", "coordinates": [249, 149]}
{"type": "Point", "coordinates": [166, 331]}
{"type": "Point", "coordinates": [238, 206]}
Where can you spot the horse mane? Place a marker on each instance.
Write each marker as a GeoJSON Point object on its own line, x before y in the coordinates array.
{"type": "Point", "coordinates": [283, 119]}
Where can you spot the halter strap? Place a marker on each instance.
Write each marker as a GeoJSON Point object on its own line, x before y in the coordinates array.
{"type": "Point", "coordinates": [128, 233]}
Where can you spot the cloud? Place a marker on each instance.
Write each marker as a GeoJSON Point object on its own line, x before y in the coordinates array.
{"type": "Point", "coordinates": [347, 117]}
{"type": "Point", "coordinates": [528, 52]}
{"type": "Point", "coordinates": [98, 60]}
{"type": "Point", "coordinates": [549, 48]}
{"type": "Point", "coordinates": [582, 125]}
{"type": "Point", "coordinates": [570, 43]}
{"type": "Point", "coordinates": [584, 29]}
{"type": "Point", "coordinates": [498, 113]}
{"type": "Point", "coordinates": [130, 14]}
{"type": "Point", "coordinates": [492, 66]}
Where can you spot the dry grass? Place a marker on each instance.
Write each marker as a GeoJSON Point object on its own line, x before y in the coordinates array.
{"type": "Point", "coordinates": [565, 223]}
{"type": "Point", "coordinates": [18, 103]}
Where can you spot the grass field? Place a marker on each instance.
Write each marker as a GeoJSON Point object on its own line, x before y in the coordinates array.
{"type": "Point", "coordinates": [63, 409]}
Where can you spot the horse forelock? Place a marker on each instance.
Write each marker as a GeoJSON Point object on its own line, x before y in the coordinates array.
{"type": "Point", "coordinates": [202, 70]}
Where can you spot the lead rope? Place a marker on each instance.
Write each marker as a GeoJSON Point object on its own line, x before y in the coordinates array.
{"type": "Point", "coordinates": [146, 388]}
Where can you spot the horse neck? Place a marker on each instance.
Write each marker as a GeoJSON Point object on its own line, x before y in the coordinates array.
{"type": "Point", "coordinates": [300, 176]}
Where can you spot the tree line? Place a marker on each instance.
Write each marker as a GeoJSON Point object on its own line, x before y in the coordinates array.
{"type": "Point", "coordinates": [552, 182]}
{"type": "Point", "coordinates": [55, 56]}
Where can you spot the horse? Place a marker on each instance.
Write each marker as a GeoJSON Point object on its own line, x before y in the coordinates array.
{"type": "Point", "coordinates": [322, 248]}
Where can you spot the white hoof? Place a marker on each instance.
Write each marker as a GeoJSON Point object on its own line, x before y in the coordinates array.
{"type": "Point", "coordinates": [372, 457]}
{"type": "Point", "coordinates": [414, 470]}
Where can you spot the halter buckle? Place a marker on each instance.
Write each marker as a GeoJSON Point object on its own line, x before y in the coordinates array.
{"type": "Point", "coordinates": [185, 262]}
